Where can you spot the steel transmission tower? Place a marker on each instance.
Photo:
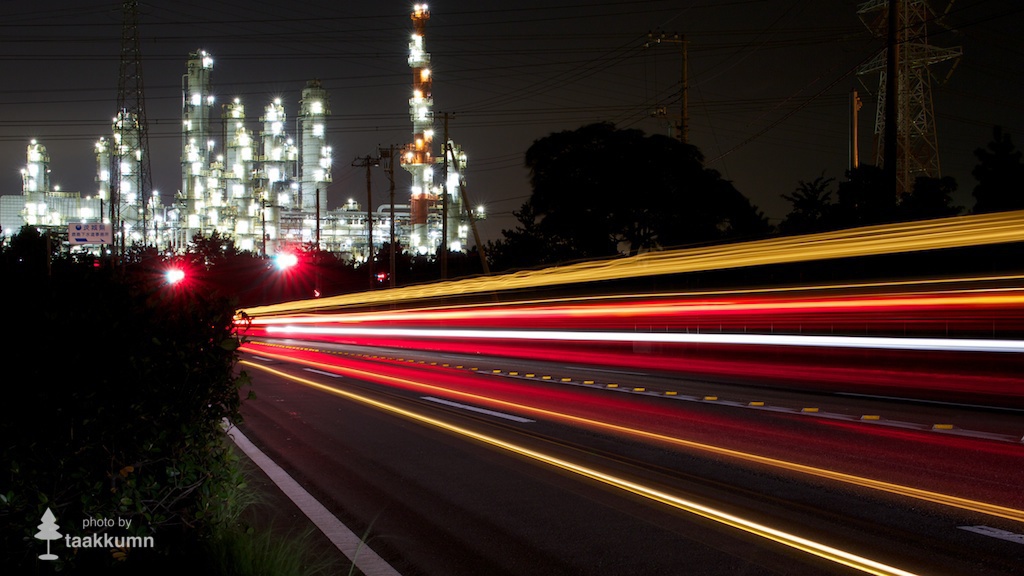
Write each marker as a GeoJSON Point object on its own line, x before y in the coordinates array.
{"type": "Point", "coordinates": [917, 151]}
{"type": "Point", "coordinates": [131, 207]}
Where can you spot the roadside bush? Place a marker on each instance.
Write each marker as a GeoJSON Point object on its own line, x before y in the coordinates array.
{"type": "Point", "coordinates": [117, 388]}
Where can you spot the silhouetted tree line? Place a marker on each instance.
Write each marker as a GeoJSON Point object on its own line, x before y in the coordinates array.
{"type": "Point", "coordinates": [600, 192]}
{"type": "Point", "coordinates": [863, 198]}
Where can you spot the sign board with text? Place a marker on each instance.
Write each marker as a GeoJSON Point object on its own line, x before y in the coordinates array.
{"type": "Point", "coordinates": [79, 233]}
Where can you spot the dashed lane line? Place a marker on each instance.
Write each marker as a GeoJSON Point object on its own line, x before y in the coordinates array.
{"type": "Point", "coordinates": [476, 409]}
{"type": "Point", "coordinates": [323, 372]}
{"type": "Point", "coordinates": [757, 405]}
{"type": "Point", "coordinates": [995, 533]}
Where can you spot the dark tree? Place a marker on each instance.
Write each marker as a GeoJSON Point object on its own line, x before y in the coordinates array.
{"type": "Point", "coordinates": [32, 252]}
{"type": "Point", "coordinates": [212, 249]}
{"type": "Point", "coordinates": [865, 198]}
{"type": "Point", "coordinates": [599, 191]}
{"type": "Point", "coordinates": [525, 246]}
{"type": "Point", "coordinates": [581, 181]}
{"type": "Point", "coordinates": [812, 210]}
{"type": "Point", "coordinates": [1000, 176]}
{"type": "Point", "coordinates": [930, 198]}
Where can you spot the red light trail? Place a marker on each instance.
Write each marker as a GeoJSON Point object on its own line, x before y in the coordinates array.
{"type": "Point", "coordinates": [957, 340]}
{"type": "Point", "coordinates": [671, 426]}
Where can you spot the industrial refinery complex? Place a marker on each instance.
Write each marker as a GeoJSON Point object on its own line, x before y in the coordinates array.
{"type": "Point", "coordinates": [256, 183]}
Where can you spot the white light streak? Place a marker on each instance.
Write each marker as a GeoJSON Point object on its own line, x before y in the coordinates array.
{"type": "Point", "coordinates": [927, 344]}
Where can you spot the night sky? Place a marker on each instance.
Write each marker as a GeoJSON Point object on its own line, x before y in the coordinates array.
{"type": "Point", "coordinates": [769, 82]}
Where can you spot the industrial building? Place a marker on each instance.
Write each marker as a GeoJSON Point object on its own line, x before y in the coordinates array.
{"type": "Point", "coordinates": [266, 188]}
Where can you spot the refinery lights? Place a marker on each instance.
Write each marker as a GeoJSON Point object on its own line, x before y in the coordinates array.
{"type": "Point", "coordinates": [260, 185]}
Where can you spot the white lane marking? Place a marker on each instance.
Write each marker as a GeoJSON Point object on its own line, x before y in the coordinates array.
{"type": "Point", "coordinates": [263, 358]}
{"type": "Point", "coordinates": [365, 559]}
{"type": "Point", "coordinates": [325, 373]}
{"type": "Point", "coordinates": [995, 533]}
{"type": "Point", "coordinates": [475, 409]}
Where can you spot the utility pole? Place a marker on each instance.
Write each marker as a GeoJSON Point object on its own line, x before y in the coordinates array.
{"type": "Point", "coordinates": [368, 162]}
{"type": "Point", "coordinates": [389, 153]}
{"type": "Point", "coordinates": [684, 113]}
{"type": "Point", "coordinates": [318, 219]}
{"type": "Point", "coordinates": [855, 106]}
{"type": "Point", "coordinates": [263, 217]}
{"type": "Point", "coordinates": [444, 205]}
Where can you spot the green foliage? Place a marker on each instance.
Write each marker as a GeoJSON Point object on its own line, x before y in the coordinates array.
{"type": "Point", "coordinates": [233, 551]}
{"type": "Point", "coordinates": [125, 382]}
{"type": "Point", "coordinates": [213, 249]}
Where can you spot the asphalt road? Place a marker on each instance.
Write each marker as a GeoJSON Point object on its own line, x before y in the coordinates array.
{"type": "Point", "coordinates": [451, 467]}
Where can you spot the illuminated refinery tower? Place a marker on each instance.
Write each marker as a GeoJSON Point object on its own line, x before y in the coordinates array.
{"type": "Point", "coordinates": [417, 158]}
{"type": "Point", "coordinates": [457, 228]}
{"type": "Point", "coordinates": [196, 144]}
{"type": "Point", "coordinates": [41, 204]}
{"type": "Point", "coordinates": [243, 205]}
{"type": "Point", "coordinates": [278, 159]}
{"type": "Point", "coordinates": [35, 177]}
{"type": "Point", "coordinates": [103, 169]}
{"type": "Point", "coordinates": [315, 153]}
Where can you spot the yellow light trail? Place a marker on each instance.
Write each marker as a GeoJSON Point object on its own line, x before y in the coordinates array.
{"type": "Point", "coordinates": [961, 231]}
{"type": "Point", "coordinates": [791, 540]}
{"type": "Point", "coordinates": [889, 487]}
{"type": "Point", "coordinates": [618, 309]}
{"type": "Point", "coordinates": [473, 308]}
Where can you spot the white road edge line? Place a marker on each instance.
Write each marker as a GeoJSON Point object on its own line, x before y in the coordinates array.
{"type": "Point", "coordinates": [364, 558]}
{"type": "Point", "coordinates": [323, 372]}
{"type": "Point", "coordinates": [519, 419]}
{"type": "Point", "coordinates": [995, 533]}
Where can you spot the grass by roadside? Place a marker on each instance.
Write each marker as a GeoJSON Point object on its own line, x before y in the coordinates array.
{"type": "Point", "coordinates": [269, 535]}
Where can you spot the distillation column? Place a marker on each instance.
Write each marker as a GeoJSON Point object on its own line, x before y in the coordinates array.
{"type": "Point", "coordinates": [102, 148]}
{"type": "Point", "coordinates": [417, 157]}
{"type": "Point", "coordinates": [316, 155]}
{"type": "Point", "coordinates": [277, 174]}
{"type": "Point", "coordinates": [238, 170]}
{"type": "Point", "coordinates": [457, 227]}
{"type": "Point", "coordinates": [36, 175]}
{"type": "Point", "coordinates": [127, 153]}
{"type": "Point", "coordinates": [196, 140]}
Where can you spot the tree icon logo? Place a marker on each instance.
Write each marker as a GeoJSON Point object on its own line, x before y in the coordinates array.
{"type": "Point", "coordinates": [48, 531]}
